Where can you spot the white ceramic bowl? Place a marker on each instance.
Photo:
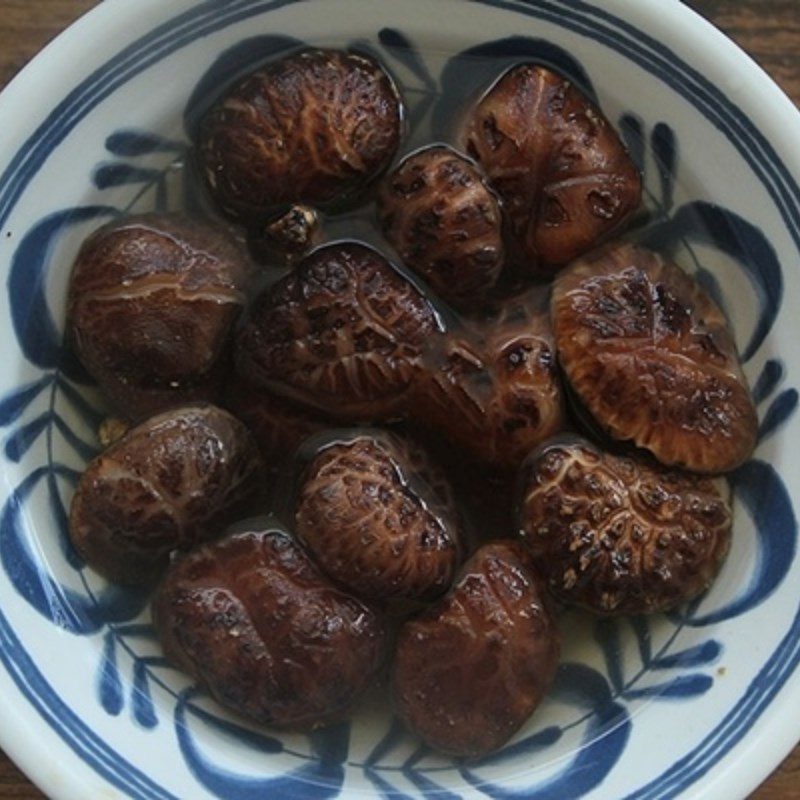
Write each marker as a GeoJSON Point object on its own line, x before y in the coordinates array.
{"type": "Point", "coordinates": [699, 703]}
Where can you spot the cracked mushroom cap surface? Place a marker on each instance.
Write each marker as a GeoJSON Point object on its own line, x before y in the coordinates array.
{"type": "Point", "coordinates": [167, 484]}
{"type": "Point", "coordinates": [343, 332]}
{"type": "Point", "coordinates": [652, 359]}
{"type": "Point", "coordinates": [566, 180]}
{"type": "Point", "coordinates": [437, 211]}
{"type": "Point", "coordinates": [379, 517]}
{"type": "Point", "coordinates": [315, 127]}
{"type": "Point", "coordinates": [619, 535]}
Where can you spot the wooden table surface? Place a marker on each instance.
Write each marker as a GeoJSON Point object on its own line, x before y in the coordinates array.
{"type": "Point", "coordinates": [767, 29]}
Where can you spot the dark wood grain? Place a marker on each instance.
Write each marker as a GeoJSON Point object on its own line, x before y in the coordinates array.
{"type": "Point", "coordinates": [767, 29]}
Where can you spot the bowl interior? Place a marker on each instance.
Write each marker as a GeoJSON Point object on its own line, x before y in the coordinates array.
{"type": "Point", "coordinates": [642, 705]}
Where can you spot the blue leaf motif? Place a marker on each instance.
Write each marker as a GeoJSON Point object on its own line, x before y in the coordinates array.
{"type": "Point", "coordinates": [23, 438]}
{"type": "Point", "coordinates": [768, 380]}
{"type": "Point", "coordinates": [429, 787]}
{"type": "Point", "coordinates": [143, 710]}
{"type": "Point", "coordinates": [91, 416]}
{"type": "Point", "coordinates": [528, 746]}
{"type": "Point", "coordinates": [36, 332]}
{"type": "Point", "coordinates": [631, 129]}
{"type": "Point", "coordinates": [129, 142]}
{"type": "Point", "coordinates": [388, 742]}
{"type": "Point", "coordinates": [61, 518]}
{"type": "Point", "coordinates": [109, 685]}
{"type": "Point", "coordinates": [115, 174]}
{"type": "Point", "coordinates": [665, 152]}
{"type": "Point", "coordinates": [604, 741]}
{"type": "Point", "coordinates": [641, 630]}
{"type": "Point", "coordinates": [697, 656]}
{"type": "Point", "coordinates": [684, 687]}
{"type": "Point", "coordinates": [406, 53]}
{"type": "Point", "coordinates": [26, 571]}
{"type": "Point", "coordinates": [741, 240]}
{"type": "Point", "coordinates": [387, 791]}
{"type": "Point", "coordinates": [85, 450]}
{"type": "Point", "coordinates": [15, 402]}
{"type": "Point", "coordinates": [474, 69]}
{"type": "Point", "coordinates": [230, 65]}
{"type": "Point", "coordinates": [760, 490]}
{"type": "Point", "coordinates": [321, 777]}
{"type": "Point", "coordinates": [28, 574]}
{"type": "Point", "coordinates": [607, 635]}
{"type": "Point", "coordinates": [784, 405]}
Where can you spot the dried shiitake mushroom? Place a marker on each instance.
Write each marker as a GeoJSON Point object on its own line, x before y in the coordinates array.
{"type": "Point", "coordinates": [314, 127]}
{"type": "Point", "coordinates": [565, 177]}
{"type": "Point", "coordinates": [379, 517]}
{"type": "Point", "coordinates": [445, 223]}
{"type": "Point", "coordinates": [251, 619]}
{"type": "Point", "coordinates": [619, 535]}
{"type": "Point", "coordinates": [494, 389]}
{"type": "Point", "coordinates": [342, 332]}
{"type": "Point", "coordinates": [470, 670]}
{"type": "Point", "coordinates": [651, 358]}
{"type": "Point", "coordinates": [152, 304]}
{"type": "Point", "coordinates": [167, 484]}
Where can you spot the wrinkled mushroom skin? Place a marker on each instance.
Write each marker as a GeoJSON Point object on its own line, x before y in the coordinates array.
{"type": "Point", "coordinates": [470, 670]}
{"type": "Point", "coordinates": [152, 304]}
{"type": "Point", "coordinates": [314, 127]}
{"type": "Point", "coordinates": [496, 395]}
{"type": "Point", "coordinates": [379, 518]}
{"type": "Point", "coordinates": [251, 619]}
{"type": "Point", "coordinates": [278, 425]}
{"type": "Point", "coordinates": [445, 223]}
{"type": "Point", "coordinates": [618, 535]}
{"type": "Point", "coordinates": [565, 177]}
{"type": "Point", "coordinates": [343, 333]}
{"type": "Point", "coordinates": [167, 484]}
{"type": "Point", "coordinates": [651, 357]}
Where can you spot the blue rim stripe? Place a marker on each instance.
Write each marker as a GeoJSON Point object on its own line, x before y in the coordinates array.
{"type": "Point", "coordinates": [75, 733]}
{"type": "Point", "coordinates": [583, 19]}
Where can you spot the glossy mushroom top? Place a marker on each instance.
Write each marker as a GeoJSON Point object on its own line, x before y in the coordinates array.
{"type": "Point", "coordinates": [313, 127]}
{"type": "Point", "coordinates": [379, 517]}
{"type": "Point", "coordinates": [251, 618]}
{"type": "Point", "coordinates": [152, 300]}
{"type": "Point", "coordinates": [167, 484]}
{"type": "Point", "coordinates": [445, 222]}
{"type": "Point", "coordinates": [471, 669]}
{"type": "Point", "coordinates": [651, 357]}
{"type": "Point", "coordinates": [564, 175]}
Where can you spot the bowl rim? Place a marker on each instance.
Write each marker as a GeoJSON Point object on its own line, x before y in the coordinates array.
{"type": "Point", "coordinates": [26, 741]}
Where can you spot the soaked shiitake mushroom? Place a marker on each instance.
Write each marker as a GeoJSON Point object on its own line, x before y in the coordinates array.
{"type": "Point", "coordinates": [278, 425]}
{"type": "Point", "coordinates": [470, 670]}
{"type": "Point", "coordinates": [152, 304]}
{"type": "Point", "coordinates": [378, 516]}
{"type": "Point", "coordinates": [252, 620]}
{"type": "Point", "coordinates": [619, 535]}
{"type": "Point", "coordinates": [445, 223]}
{"type": "Point", "coordinates": [342, 332]}
{"type": "Point", "coordinates": [314, 127]}
{"type": "Point", "coordinates": [167, 484]}
{"type": "Point", "coordinates": [650, 356]}
{"type": "Point", "coordinates": [496, 393]}
{"type": "Point", "coordinates": [565, 177]}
